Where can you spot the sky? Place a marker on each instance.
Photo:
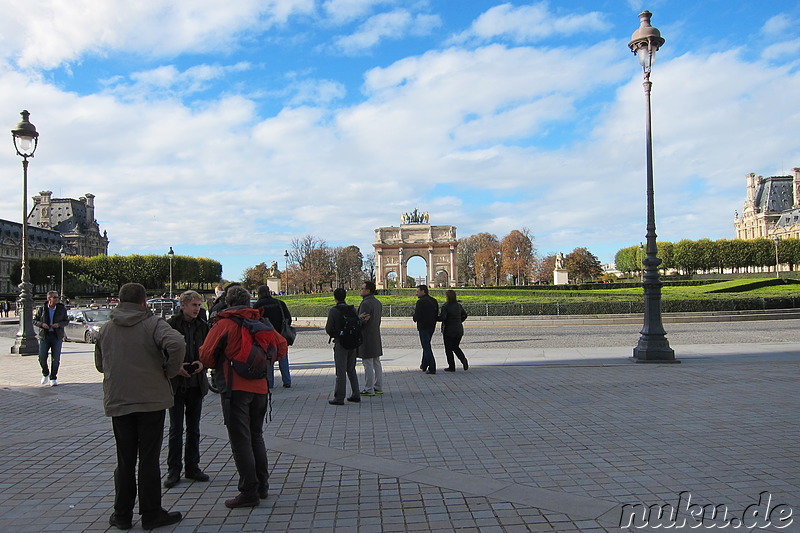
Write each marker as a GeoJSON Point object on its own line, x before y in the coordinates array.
{"type": "Point", "coordinates": [228, 129]}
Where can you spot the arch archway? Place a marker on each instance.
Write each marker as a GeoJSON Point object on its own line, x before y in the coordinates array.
{"type": "Point", "coordinates": [436, 245]}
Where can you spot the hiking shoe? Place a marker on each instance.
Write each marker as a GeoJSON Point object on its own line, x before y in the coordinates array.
{"type": "Point", "coordinates": [367, 393]}
{"type": "Point", "coordinates": [242, 501]}
{"type": "Point", "coordinates": [171, 480]}
{"type": "Point", "coordinates": [45, 379]}
{"type": "Point", "coordinates": [197, 475]}
{"type": "Point", "coordinates": [120, 522]}
{"type": "Point", "coordinates": [162, 518]}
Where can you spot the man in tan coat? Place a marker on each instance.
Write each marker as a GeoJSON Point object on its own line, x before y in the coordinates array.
{"type": "Point", "coordinates": [137, 353]}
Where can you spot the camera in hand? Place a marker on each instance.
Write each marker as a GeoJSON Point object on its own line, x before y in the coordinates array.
{"type": "Point", "coordinates": [191, 368]}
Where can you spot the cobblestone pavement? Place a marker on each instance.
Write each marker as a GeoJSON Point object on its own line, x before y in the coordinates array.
{"type": "Point", "coordinates": [529, 439]}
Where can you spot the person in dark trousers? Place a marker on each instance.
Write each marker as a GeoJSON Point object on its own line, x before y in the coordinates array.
{"type": "Point", "coordinates": [275, 310]}
{"type": "Point", "coordinates": [244, 401]}
{"type": "Point", "coordinates": [51, 319]}
{"type": "Point", "coordinates": [426, 313]}
{"type": "Point", "coordinates": [138, 353]}
{"type": "Point", "coordinates": [344, 358]}
{"type": "Point", "coordinates": [190, 387]}
{"type": "Point", "coordinates": [452, 317]}
{"type": "Point", "coordinates": [370, 311]}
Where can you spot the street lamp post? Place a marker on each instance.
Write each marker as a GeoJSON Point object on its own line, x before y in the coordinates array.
{"type": "Point", "coordinates": [26, 139]}
{"type": "Point", "coordinates": [516, 260]}
{"type": "Point", "coordinates": [286, 269]}
{"type": "Point", "coordinates": [497, 269]}
{"type": "Point", "coordinates": [777, 240]}
{"type": "Point", "coordinates": [653, 345]}
{"type": "Point", "coordinates": [62, 252]}
{"type": "Point", "coordinates": [171, 255]}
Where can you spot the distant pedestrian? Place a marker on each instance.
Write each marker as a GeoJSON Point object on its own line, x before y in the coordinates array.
{"type": "Point", "coordinates": [189, 386]}
{"type": "Point", "coordinates": [338, 327]}
{"type": "Point", "coordinates": [51, 319]}
{"type": "Point", "coordinates": [370, 311]}
{"type": "Point", "coordinates": [452, 317]}
{"type": "Point", "coordinates": [275, 311]}
{"type": "Point", "coordinates": [138, 353]}
{"type": "Point", "coordinates": [5, 308]}
{"type": "Point", "coordinates": [426, 313]}
{"type": "Point", "coordinates": [244, 401]}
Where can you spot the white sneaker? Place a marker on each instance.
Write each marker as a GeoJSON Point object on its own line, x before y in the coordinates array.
{"type": "Point", "coordinates": [53, 383]}
{"type": "Point", "coordinates": [45, 379]}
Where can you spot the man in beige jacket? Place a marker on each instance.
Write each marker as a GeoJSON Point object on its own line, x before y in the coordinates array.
{"type": "Point", "coordinates": [137, 353]}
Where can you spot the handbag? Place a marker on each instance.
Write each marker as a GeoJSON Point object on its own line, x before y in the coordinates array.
{"type": "Point", "coordinates": [287, 331]}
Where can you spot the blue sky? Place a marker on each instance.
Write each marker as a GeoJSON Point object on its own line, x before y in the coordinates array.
{"type": "Point", "coordinates": [228, 129]}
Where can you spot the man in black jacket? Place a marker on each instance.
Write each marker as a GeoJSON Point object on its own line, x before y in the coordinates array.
{"type": "Point", "coordinates": [426, 313]}
{"type": "Point", "coordinates": [275, 311]}
{"type": "Point", "coordinates": [189, 386]}
{"type": "Point", "coordinates": [51, 319]}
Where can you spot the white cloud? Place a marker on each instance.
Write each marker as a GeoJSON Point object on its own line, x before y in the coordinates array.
{"type": "Point", "coordinates": [529, 23]}
{"type": "Point", "coordinates": [392, 25]}
{"type": "Point", "coordinates": [342, 11]}
{"type": "Point", "coordinates": [167, 81]}
{"type": "Point", "coordinates": [62, 32]}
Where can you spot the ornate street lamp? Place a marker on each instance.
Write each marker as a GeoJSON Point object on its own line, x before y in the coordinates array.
{"type": "Point", "coordinates": [653, 346]}
{"type": "Point", "coordinates": [26, 139]}
{"type": "Point", "coordinates": [776, 240]}
{"type": "Point", "coordinates": [171, 255]}
{"type": "Point", "coordinates": [62, 252]}
{"type": "Point", "coordinates": [286, 269]}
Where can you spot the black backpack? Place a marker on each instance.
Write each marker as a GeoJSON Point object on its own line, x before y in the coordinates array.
{"type": "Point", "coordinates": [349, 336]}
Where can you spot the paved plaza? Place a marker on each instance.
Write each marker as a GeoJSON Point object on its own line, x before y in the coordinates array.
{"type": "Point", "coordinates": [550, 439]}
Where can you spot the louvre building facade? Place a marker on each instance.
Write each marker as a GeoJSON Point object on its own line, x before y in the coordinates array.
{"type": "Point", "coordinates": [52, 223]}
{"type": "Point", "coordinates": [772, 208]}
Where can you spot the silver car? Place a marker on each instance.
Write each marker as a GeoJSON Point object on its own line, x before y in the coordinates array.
{"type": "Point", "coordinates": [84, 324]}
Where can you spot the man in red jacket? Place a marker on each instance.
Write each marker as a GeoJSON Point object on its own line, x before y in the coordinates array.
{"type": "Point", "coordinates": [244, 401]}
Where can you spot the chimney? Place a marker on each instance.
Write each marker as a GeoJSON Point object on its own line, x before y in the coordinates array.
{"type": "Point", "coordinates": [89, 201]}
{"type": "Point", "coordinates": [751, 187]}
{"type": "Point", "coordinates": [796, 187]}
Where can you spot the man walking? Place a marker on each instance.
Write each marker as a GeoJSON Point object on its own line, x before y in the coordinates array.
{"type": "Point", "coordinates": [190, 387]}
{"type": "Point", "coordinates": [244, 401]}
{"type": "Point", "coordinates": [342, 326]}
{"type": "Point", "coordinates": [51, 319]}
{"type": "Point", "coordinates": [425, 315]}
{"type": "Point", "coordinates": [275, 311]}
{"type": "Point", "coordinates": [371, 349]}
{"type": "Point", "coordinates": [138, 353]}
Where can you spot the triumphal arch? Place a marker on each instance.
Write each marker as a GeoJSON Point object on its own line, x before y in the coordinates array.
{"type": "Point", "coordinates": [415, 237]}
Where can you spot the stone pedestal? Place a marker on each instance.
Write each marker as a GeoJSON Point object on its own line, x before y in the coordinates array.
{"type": "Point", "coordinates": [274, 285]}
{"type": "Point", "coordinates": [560, 277]}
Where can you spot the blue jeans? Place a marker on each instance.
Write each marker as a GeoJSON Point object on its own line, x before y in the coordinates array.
{"type": "Point", "coordinates": [428, 362]}
{"type": "Point", "coordinates": [50, 343]}
{"type": "Point", "coordinates": [283, 366]}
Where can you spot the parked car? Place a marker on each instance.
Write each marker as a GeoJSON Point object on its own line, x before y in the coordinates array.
{"type": "Point", "coordinates": [163, 306]}
{"type": "Point", "coordinates": [84, 324]}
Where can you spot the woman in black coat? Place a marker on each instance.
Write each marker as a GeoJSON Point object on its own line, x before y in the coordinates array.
{"type": "Point", "coordinates": [451, 316]}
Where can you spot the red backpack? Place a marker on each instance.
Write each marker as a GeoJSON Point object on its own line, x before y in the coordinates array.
{"type": "Point", "coordinates": [258, 351]}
